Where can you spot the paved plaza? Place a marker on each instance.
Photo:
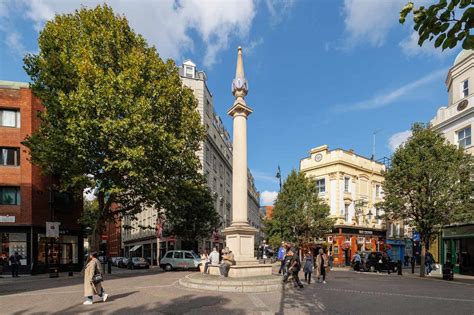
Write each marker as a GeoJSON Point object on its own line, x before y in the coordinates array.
{"type": "Point", "coordinates": [155, 292]}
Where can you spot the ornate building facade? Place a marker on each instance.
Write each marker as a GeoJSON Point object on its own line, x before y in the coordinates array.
{"type": "Point", "coordinates": [352, 186]}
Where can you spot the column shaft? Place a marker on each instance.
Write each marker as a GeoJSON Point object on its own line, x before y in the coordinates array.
{"type": "Point", "coordinates": [239, 169]}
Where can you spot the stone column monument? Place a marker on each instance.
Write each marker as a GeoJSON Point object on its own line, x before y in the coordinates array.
{"type": "Point", "coordinates": [240, 236]}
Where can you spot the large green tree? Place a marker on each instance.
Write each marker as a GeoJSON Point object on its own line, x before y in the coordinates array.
{"type": "Point", "coordinates": [193, 216]}
{"type": "Point", "coordinates": [117, 117]}
{"type": "Point", "coordinates": [299, 216]}
{"type": "Point", "coordinates": [429, 184]}
{"type": "Point", "coordinates": [445, 22]}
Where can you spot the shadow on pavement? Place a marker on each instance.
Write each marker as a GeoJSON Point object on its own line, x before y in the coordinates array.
{"type": "Point", "coordinates": [188, 304]}
{"type": "Point", "coordinates": [42, 282]}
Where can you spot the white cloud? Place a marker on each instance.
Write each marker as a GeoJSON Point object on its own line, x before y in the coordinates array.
{"type": "Point", "coordinates": [389, 97]}
{"type": "Point", "coordinates": [411, 48]}
{"type": "Point", "coordinates": [267, 198]}
{"type": "Point", "coordinates": [264, 177]}
{"type": "Point", "coordinates": [167, 23]}
{"type": "Point", "coordinates": [253, 45]}
{"type": "Point", "coordinates": [398, 139]}
{"type": "Point", "coordinates": [279, 9]}
{"type": "Point", "coordinates": [370, 20]}
{"type": "Point", "coordinates": [13, 42]}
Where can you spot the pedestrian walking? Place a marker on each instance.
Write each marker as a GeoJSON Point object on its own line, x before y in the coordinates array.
{"type": "Point", "coordinates": [321, 264]}
{"type": "Point", "coordinates": [213, 259]}
{"type": "Point", "coordinates": [357, 261]}
{"type": "Point", "coordinates": [308, 266]}
{"type": "Point", "coordinates": [15, 262]}
{"type": "Point", "coordinates": [330, 260]}
{"type": "Point", "coordinates": [429, 261]}
{"type": "Point", "coordinates": [93, 280]}
{"type": "Point", "coordinates": [227, 261]}
{"type": "Point", "coordinates": [294, 267]}
{"type": "Point", "coordinates": [281, 257]}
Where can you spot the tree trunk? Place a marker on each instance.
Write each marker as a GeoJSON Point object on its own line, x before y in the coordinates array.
{"type": "Point", "coordinates": [422, 260]}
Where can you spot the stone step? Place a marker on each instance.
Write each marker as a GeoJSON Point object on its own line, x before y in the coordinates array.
{"type": "Point", "coordinates": [213, 283]}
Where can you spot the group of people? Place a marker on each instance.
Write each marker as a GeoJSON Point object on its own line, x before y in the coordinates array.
{"type": "Point", "coordinates": [291, 264]}
{"type": "Point", "coordinates": [214, 258]}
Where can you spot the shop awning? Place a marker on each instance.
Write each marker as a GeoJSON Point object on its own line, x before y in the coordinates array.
{"type": "Point", "coordinates": [134, 248]}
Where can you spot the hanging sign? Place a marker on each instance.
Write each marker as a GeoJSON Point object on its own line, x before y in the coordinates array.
{"type": "Point", "coordinates": [52, 229]}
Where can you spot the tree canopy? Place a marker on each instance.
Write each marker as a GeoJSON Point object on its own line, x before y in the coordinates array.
{"type": "Point", "coordinates": [117, 117]}
{"type": "Point", "coordinates": [450, 22]}
{"type": "Point", "coordinates": [429, 183]}
{"type": "Point", "coordinates": [299, 216]}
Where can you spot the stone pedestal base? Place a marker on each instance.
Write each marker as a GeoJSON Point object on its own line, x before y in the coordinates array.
{"type": "Point", "coordinates": [243, 271]}
{"type": "Point", "coordinates": [241, 241]}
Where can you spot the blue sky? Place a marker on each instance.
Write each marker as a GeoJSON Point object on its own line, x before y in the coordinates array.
{"type": "Point", "coordinates": [320, 72]}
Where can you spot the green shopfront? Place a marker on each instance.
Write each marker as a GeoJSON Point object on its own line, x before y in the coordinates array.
{"type": "Point", "coordinates": [458, 248]}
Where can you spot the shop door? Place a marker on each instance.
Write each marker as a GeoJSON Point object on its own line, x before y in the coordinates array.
{"type": "Point", "coordinates": [66, 254]}
{"type": "Point", "coordinates": [53, 255]}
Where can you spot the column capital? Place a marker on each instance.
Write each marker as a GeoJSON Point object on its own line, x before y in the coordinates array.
{"type": "Point", "coordinates": [239, 108]}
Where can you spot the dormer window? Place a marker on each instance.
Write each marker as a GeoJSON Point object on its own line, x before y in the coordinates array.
{"type": "Point", "coordinates": [189, 71]}
{"type": "Point", "coordinates": [464, 88]}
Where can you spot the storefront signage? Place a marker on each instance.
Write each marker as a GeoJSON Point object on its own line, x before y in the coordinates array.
{"type": "Point", "coordinates": [7, 219]}
{"type": "Point", "coordinates": [360, 232]}
{"type": "Point", "coordinates": [458, 231]}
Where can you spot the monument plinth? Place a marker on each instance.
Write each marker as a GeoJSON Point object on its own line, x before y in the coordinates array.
{"type": "Point", "coordinates": [240, 236]}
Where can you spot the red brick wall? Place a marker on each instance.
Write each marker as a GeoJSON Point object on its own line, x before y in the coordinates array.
{"type": "Point", "coordinates": [34, 208]}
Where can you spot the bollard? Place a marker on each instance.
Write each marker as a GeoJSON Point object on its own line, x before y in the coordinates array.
{"type": "Point", "coordinates": [109, 267]}
{"type": "Point", "coordinates": [71, 270]}
{"type": "Point", "coordinates": [399, 264]}
{"type": "Point", "coordinates": [412, 265]}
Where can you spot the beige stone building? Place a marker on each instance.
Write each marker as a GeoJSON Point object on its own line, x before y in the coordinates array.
{"type": "Point", "coordinates": [215, 156]}
{"type": "Point", "coordinates": [352, 186]}
{"type": "Point", "coordinates": [456, 119]}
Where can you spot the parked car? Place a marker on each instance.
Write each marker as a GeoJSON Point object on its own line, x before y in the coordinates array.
{"type": "Point", "coordinates": [137, 262]}
{"type": "Point", "coordinates": [116, 261]}
{"type": "Point", "coordinates": [370, 262]}
{"type": "Point", "coordinates": [180, 259]}
{"type": "Point", "coordinates": [123, 263]}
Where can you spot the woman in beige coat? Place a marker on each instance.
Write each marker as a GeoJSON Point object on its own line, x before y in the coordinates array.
{"type": "Point", "coordinates": [90, 289]}
{"type": "Point", "coordinates": [321, 265]}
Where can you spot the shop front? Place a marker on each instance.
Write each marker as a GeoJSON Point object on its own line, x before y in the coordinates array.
{"type": "Point", "coordinates": [344, 242]}
{"type": "Point", "coordinates": [397, 249]}
{"type": "Point", "coordinates": [38, 252]}
{"type": "Point", "coordinates": [458, 248]}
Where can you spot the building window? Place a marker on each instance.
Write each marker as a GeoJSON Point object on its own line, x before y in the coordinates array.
{"type": "Point", "coordinates": [206, 156]}
{"type": "Point", "coordinates": [9, 156]}
{"type": "Point", "coordinates": [321, 185]}
{"type": "Point", "coordinates": [346, 213]}
{"type": "Point", "coordinates": [464, 137]}
{"type": "Point", "coordinates": [189, 72]}
{"type": "Point", "coordinates": [9, 196]}
{"type": "Point", "coordinates": [214, 163]}
{"type": "Point", "coordinates": [221, 170]}
{"type": "Point", "coordinates": [347, 181]}
{"type": "Point", "coordinates": [377, 191]}
{"type": "Point", "coordinates": [464, 88]}
{"type": "Point", "coordinates": [10, 118]}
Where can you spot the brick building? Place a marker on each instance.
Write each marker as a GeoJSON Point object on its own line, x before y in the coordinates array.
{"type": "Point", "coordinates": [26, 199]}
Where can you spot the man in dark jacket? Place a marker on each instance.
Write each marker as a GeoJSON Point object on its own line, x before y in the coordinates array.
{"type": "Point", "coordinates": [15, 263]}
{"type": "Point", "coordinates": [294, 267]}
